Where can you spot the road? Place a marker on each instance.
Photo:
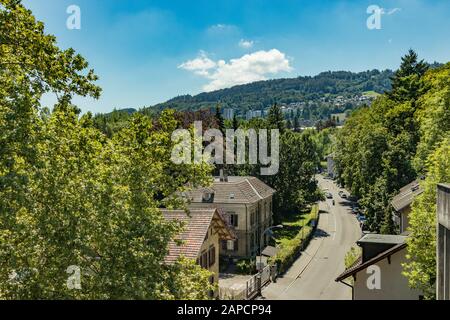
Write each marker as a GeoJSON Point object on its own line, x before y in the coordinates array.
{"type": "Point", "coordinates": [312, 275]}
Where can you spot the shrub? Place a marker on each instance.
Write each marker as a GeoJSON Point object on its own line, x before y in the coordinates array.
{"type": "Point", "coordinates": [290, 249]}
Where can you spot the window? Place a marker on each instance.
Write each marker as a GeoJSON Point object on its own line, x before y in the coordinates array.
{"type": "Point", "coordinates": [224, 245]}
{"type": "Point", "coordinates": [204, 260]}
{"type": "Point", "coordinates": [233, 245]}
{"type": "Point", "coordinates": [233, 219]}
{"type": "Point", "coordinates": [212, 256]}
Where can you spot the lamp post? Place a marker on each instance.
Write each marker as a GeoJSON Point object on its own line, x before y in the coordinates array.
{"type": "Point", "coordinates": [260, 242]}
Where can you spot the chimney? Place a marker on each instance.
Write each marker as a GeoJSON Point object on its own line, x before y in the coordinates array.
{"type": "Point", "coordinates": [223, 176]}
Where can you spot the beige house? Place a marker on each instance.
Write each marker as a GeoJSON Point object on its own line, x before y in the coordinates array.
{"type": "Point", "coordinates": [377, 274]}
{"type": "Point", "coordinates": [201, 236]}
{"type": "Point", "coordinates": [246, 204]}
{"type": "Point", "coordinates": [402, 204]}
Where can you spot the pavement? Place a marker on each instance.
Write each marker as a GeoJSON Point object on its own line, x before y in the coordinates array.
{"type": "Point", "coordinates": [312, 276]}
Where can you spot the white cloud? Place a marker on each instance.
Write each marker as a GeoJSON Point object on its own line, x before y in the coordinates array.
{"type": "Point", "coordinates": [392, 11]}
{"type": "Point", "coordinates": [249, 68]}
{"type": "Point", "coordinates": [246, 44]}
{"type": "Point", "coordinates": [200, 65]}
{"type": "Point", "coordinates": [221, 28]}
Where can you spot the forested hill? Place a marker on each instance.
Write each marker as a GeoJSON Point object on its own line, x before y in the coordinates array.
{"type": "Point", "coordinates": [263, 94]}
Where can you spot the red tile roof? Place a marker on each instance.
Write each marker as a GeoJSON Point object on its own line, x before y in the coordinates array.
{"type": "Point", "coordinates": [196, 224]}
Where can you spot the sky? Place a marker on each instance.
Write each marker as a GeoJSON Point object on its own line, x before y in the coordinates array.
{"type": "Point", "coordinates": [146, 52]}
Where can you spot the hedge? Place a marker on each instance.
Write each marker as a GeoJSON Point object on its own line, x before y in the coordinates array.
{"type": "Point", "coordinates": [290, 250]}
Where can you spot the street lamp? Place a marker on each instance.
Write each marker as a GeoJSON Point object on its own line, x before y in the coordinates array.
{"type": "Point", "coordinates": [280, 226]}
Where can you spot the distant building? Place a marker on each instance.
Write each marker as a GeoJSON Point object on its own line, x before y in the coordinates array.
{"type": "Point", "coordinates": [246, 204]}
{"type": "Point", "coordinates": [443, 243]}
{"type": "Point", "coordinates": [402, 204]}
{"type": "Point", "coordinates": [378, 273]}
{"type": "Point", "coordinates": [228, 113]}
{"type": "Point", "coordinates": [340, 118]}
{"type": "Point", "coordinates": [254, 114]}
{"type": "Point", "coordinates": [203, 231]}
{"type": "Point", "coordinates": [331, 166]}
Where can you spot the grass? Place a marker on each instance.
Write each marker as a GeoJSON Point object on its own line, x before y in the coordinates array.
{"type": "Point", "coordinates": [292, 225]}
{"type": "Point", "coordinates": [295, 235]}
{"type": "Point", "coordinates": [371, 94]}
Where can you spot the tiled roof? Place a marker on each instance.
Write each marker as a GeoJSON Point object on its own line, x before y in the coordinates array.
{"type": "Point", "coordinates": [358, 265]}
{"type": "Point", "coordinates": [235, 190]}
{"type": "Point", "coordinates": [406, 195]}
{"type": "Point", "coordinates": [196, 225]}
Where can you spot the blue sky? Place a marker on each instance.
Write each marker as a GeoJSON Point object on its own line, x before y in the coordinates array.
{"type": "Point", "coordinates": [147, 52]}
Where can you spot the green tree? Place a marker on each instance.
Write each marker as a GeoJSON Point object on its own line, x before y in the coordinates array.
{"type": "Point", "coordinates": [406, 84]}
{"type": "Point", "coordinates": [275, 118]}
{"type": "Point", "coordinates": [69, 196]}
{"type": "Point", "coordinates": [421, 266]}
{"type": "Point", "coordinates": [220, 120]}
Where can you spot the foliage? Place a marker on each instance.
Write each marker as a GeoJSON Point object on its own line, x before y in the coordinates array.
{"type": "Point", "coordinates": [246, 266]}
{"type": "Point", "coordinates": [275, 119]}
{"type": "Point", "coordinates": [375, 150]}
{"type": "Point", "coordinates": [314, 91]}
{"type": "Point", "coordinates": [69, 195]}
{"type": "Point", "coordinates": [290, 248]}
{"type": "Point", "coordinates": [421, 266]}
{"type": "Point", "coordinates": [352, 256]}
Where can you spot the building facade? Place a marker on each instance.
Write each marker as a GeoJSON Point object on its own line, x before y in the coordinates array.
{"type": "Point", "coordinates": [246, 204]}
{"type": "Point", "coordinates": [443, 242]}
{"type": "Point", "coordinates": [203, 231]}
{"type": "Point", "coordinates": [378, 273]}
{"type": "Point", "coordinates": [402, 205]}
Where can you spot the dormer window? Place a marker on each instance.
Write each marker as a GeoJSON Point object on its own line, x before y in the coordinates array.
{"type": "Point", "coordinates": [208, 197]}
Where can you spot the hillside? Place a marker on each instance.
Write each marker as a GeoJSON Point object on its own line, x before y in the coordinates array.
{"type": "Point", "coordinates": [318, 92]}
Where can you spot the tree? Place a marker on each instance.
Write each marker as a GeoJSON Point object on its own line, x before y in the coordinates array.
{"type": "Point", "coordinates": [220, 120]}
{"type": "Point", "coordinates": [70, 197]}
{"type": "Point", "coordinates": [275, 119]}
{"type": "Point", "coordinates": [420, 268]}
{"type": "Point", "coordinates": [235, 123]}
{"type": "Point", "coordinates": [406, 85]}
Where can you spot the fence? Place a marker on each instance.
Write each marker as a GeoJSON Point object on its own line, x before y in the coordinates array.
{"type": "Point", "coordinates": [250, 290]}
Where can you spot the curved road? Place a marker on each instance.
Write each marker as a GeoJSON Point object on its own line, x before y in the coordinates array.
{"type": "Point", "coordinates": [312, 275]}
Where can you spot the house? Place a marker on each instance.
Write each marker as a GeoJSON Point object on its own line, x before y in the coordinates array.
{"type": "Point", "coordinates": [443, 243]}
{"type": "Point", "coordinates": [377, 274]}
{"type": "Point", "coordinates": [402, 204]}
{"type": "Point", "coordinates": [202, 232]}
{"type": "Point", "coordinates": [246, 203]}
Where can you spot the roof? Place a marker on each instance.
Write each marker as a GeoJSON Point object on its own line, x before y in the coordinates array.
{"type": "Point", "coordinates": [270, 251]}
{"type": "Point", "coordinates": [358, 265]}
{"type": "Point", "coordinates": [196, 225]}
{"type": "Point", "coordinates": [235, 190]}
{"type": "Point", "coordinates": [406, 195]}
{"type": "Point", "coordinates": [383, 239]}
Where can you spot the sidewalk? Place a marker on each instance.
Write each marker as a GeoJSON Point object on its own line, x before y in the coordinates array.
{"type": "Point", "coordinates": [275, 291]}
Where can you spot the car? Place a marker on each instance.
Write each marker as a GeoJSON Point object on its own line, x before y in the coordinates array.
{"type": "Point", "coordinates": [329, 195]}
{"type": "Point", "coordinates": [343, 196]}
{"type": "Point", "coordinates": [355, 210]}
{"type": "Point", "coordinates": [361, 217]}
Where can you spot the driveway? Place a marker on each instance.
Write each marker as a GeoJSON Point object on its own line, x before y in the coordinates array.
{"type": "Point", "coordinates": [312, 275]}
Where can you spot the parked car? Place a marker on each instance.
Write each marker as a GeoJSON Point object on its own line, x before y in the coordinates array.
{"type": "Point", "coordinates": [329, 195]}
{"type": "Point", "coordinates": [343, 195]}
{"type": "Point", "coordinates": [361, 217]}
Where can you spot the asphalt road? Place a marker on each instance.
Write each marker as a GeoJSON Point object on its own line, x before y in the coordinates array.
{"type": "Point", "coordinates": [312, 276]}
